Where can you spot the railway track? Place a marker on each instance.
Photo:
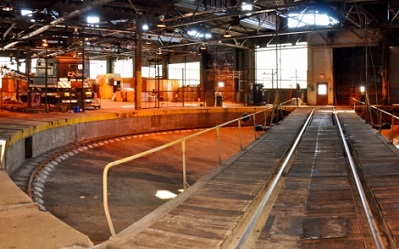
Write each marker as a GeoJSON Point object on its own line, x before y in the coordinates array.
{"type": "Point", "coordinates": [286, 191]}
{"type": "Point", "coordinates": [304, 184]}
{"type": "Point", "coordinates": [316, 198]}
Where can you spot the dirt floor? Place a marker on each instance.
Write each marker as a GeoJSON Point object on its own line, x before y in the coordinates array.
{"type": "Point", "coordinates": [73, 192]}
{"type": "Point", "coordinates": [392, 135]}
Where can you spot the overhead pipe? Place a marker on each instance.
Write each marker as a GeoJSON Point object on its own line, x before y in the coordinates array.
{"type": "Point", "coordinates": [38, 31]}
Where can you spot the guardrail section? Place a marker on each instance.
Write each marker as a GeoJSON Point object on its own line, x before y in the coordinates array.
{"type": "Point", "coordinates": [182, 141]}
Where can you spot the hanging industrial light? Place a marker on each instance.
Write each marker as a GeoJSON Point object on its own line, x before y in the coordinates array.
{"type": "Point", "coordinates": [148, 41]}
{"type": "Point", "coordinates": [7, 6]}
{"type": "Point", "coordinates": [161, 23]}
{"type": "Point", "coordinates": [227, 34]}
{"type": "Point", "coordinates": [44, 43]}
{"type": "Point", "coordinates": [145, 27]}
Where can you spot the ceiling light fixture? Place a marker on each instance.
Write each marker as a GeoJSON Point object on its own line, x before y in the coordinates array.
{"type": "Point", "coordinates": [148, 41]}
{"type": "Point", "coordinates": [203, 46]}
{"type": "Point", "coordinates": [161, 23]}
{"type": "Point", "coordinates": [145, 27]}
{"type": "Point", "coordinates": [76, 31]}
{"type": "Point", "coordinates": [44, 43]}
{"type": "Point", "coordinates": [227, 34]}
{"type": "Point", "coordinates": [7, 6]}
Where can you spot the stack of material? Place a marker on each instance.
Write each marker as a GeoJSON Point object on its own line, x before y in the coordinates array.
{"type": "Point", "coordinates": [120, 96]}
{"type": "Point", "coordinates": [130, 96]}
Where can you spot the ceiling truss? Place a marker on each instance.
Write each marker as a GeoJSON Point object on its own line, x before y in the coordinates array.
{"type": "Point", "coordinates": [62, 23]}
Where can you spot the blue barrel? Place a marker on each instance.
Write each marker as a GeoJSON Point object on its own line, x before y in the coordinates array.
{"type": "Point", "coordinates": [76, 108]}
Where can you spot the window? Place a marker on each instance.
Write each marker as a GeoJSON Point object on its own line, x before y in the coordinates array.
{"type": "Point", "coordinates": [284, 66]}
{"type": "Point", "coordinates": [322, 89]}
{"type": "Point", "coordinates": [310, 19]}
{"type": "Point", "coordinates": [97, 67]}
{"type": "Point", "coordinates": [187, 73]}
{"type": "Point", "coordinates": [152, 71]}
{"type": "Point", "coordinates": [124, 68]}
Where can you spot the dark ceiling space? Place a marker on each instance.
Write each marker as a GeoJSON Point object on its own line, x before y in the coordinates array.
{"type": "Point", "coordinates": [63, 25]}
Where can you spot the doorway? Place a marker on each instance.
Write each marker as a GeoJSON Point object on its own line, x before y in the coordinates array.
{"type": "Point", "coordinates": [322, 93]}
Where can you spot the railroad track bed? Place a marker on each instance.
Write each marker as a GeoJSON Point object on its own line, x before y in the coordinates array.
{"type": "Point", "coordinates": [316, 207]}
{"type": "Point", "coordinates": [320, 204]}
{"type": "Point", "coordinates": [315, 204]}
{"type": "Point", "coordinates": [379, 161]}
{"type": "Point", "coordinates": [282, 191]}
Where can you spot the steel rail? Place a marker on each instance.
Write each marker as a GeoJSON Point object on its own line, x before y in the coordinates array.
{"type": "Point", "coordinates": [243, 238]}
{"type": "Point", "coordinates": [370, 219]}
{"type": "Point", "coordinates": [181, 141]}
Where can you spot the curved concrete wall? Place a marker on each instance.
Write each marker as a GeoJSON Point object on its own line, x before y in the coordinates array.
{"type": "Point", "coordinates": [46, 135]}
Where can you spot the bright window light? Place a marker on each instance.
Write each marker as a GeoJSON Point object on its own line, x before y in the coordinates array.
{"type": "Point", "coordinates": [192, 33]}
{"type": "Point", "coordinates": [26, 12]}
{"type": "Point", "coordinates": [246, 6]}
{"type": "Point", "coordinates": [308, 19]}
{"type": "Point", "coordinates": [93, 19]}
{"type": "Point", "coordinates": [195, 34]}
{"type": "Point", "coordinates": [322, 89]}
{"type": "Point", "coordinates": [289, 71]}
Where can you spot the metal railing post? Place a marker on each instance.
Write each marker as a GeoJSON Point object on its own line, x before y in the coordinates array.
{"type": "Point", "coordinates": [218, 143]}
{"type": "Point", "coordinates": [392, 127]}
{"type": "Point", "coordinates": [254, 117]}
{"type": "Point", "coordinates": [105, 199]}
{"type": "Point", "coordinates": [183, 154]}
{"type": "Point", "coordinates": [240, 133]}
{"type": "Point", "coordinates": [265, 119]}
{"type": "Point", "coordinates": [2, 152]}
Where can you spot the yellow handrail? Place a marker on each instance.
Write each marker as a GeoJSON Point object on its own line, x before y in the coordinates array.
{"type": "Point", "coordinates": [159, 148]}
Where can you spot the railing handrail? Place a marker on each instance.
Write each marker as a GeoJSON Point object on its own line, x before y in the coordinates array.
{"type": "Point", "coordinates": [379, 109]}
{"type": "Point", "coordinates": [180, 140]}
